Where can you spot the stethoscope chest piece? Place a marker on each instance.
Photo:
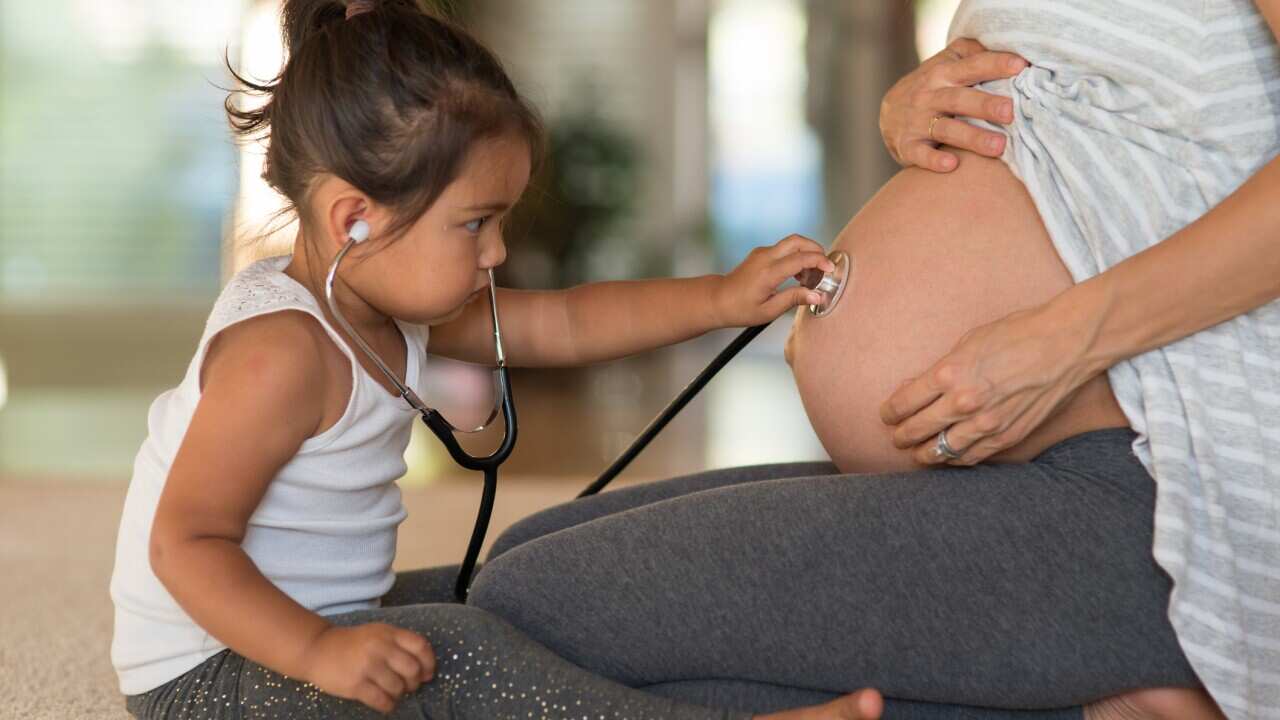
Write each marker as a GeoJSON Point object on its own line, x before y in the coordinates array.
{"type": "Point", "coordinates": [829, 285]}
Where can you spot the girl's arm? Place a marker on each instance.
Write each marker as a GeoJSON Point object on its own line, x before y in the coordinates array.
{"type": "Point", "coordinates": [607, 320]}
{"type": "Point", "coordinates": [258, 405]}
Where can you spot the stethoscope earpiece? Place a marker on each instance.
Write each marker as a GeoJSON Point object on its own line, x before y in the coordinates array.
{"type": "Point", "coordinates": [359, 231]}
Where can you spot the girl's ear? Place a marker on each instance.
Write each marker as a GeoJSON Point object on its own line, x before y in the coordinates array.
{"type": "Point", "coordinates": [345, 207]}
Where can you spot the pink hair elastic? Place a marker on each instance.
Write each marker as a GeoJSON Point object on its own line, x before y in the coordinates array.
{"type": "Point", "coordinates": [355, 7]}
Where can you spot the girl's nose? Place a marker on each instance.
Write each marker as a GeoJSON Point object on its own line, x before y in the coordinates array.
{"type": "Point", "coordinates": [494, 253]}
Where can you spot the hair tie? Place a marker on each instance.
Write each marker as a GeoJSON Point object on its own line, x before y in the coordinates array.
{"type": "Point", "coordinates": [355, 7]}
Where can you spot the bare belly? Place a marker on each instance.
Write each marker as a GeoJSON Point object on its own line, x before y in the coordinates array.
{"type": "Point", "coordinates": [934, 256]}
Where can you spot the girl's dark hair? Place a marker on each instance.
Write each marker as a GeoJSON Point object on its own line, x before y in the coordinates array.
{"type": "Point", "coordinates": [390, 100]}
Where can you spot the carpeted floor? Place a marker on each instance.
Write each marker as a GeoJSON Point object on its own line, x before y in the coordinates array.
{"type": "Point", "coordinates": [57, 546]}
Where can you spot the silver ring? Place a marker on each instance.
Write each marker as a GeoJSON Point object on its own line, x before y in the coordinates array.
{"type": "Point", "coordinates": [943, 449]}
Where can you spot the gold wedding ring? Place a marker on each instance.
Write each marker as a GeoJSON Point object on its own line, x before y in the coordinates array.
{"type": "Point", "coordinates": [933, 122]}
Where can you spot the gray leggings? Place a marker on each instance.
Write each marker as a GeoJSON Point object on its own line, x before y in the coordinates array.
{"type": "Point", "coordinates": [1005, 586]}
{"type": "Point", "coordinates": [755, 589]}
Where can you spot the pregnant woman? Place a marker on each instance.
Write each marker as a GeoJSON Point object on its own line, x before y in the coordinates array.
{"type": "Point", "coordinates": [1079, 342]}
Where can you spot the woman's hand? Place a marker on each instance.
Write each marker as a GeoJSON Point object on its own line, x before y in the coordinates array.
{"type": "Point", "coordinates": [749, 295]}
{"type": "Point", "coordinates": [374, 663]}
{"type": "Point", "coordinates": [940, 88]}
{"type": "Point", "coordinates": [1000, 382]}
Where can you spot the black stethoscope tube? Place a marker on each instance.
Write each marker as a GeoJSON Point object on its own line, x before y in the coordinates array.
{"type": "Point", "coordinates": [672, 409]}
{"type": "Point", "coordinates": [488, 465]}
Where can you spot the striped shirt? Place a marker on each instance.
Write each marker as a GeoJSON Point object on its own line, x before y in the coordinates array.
{"type": "Point", "coordinates": [1135, 118]}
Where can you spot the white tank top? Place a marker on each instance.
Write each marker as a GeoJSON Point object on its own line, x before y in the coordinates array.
{"type": "Point", "coordinates": [324, 533]}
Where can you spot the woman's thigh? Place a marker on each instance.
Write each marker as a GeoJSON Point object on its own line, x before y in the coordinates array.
{"type": "Point", "coordinates": [933, 256]}
{"type": "Point", "coordinates": [436, 584]}
{"type": "Point", "coordinates": [583, 510]}
{"type": "Point", "coordinates": [1005, 585]}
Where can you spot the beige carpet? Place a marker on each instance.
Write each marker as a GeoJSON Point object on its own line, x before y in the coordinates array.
{"type": "Point", "coordinates": [57, 546]}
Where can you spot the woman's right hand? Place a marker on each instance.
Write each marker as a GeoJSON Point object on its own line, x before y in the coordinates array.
{"type": "Point", "coordinates": [374, 663]}
{"type": "Point", "coordinates": [941, 87]}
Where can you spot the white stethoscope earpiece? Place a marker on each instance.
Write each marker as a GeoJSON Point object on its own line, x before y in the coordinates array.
{"type": "Point", "coordinates": [359, 231]}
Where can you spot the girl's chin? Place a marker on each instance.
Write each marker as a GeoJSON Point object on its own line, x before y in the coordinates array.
{"type": "Point", "coordinates": [449, 317]}
{"type": "Point", "coordinates": [455, 313]}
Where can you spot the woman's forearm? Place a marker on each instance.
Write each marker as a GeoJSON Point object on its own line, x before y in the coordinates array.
{"type": "Point", "coordinates": [217, 584]}
{"type": "Point", "coordinates": [1224, 264]}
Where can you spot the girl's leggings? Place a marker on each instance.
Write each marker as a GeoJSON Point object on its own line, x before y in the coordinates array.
{"type": "Point", "coordinates": [1001, 586]}
{"type": "Point", "coordinates": [755, 589]}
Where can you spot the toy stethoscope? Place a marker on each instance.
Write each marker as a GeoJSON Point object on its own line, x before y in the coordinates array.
{"type": "Point", "coordinates": [830, 286]}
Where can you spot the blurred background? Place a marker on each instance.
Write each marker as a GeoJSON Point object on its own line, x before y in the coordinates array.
{"type": "Point", "coordinates": [684, 133]}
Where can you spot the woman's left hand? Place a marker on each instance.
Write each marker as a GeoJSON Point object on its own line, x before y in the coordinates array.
{"type": "Point", "coordinates": [1000, 382]}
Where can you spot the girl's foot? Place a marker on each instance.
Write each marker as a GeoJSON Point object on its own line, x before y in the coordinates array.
{"type": "Point", "coordinates": [865, 704]}
{"type": "Point", "coordinates": [1156, 704]}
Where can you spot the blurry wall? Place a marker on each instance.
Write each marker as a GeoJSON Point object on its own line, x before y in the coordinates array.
{"type": "Point", "coordinates": [115, 179]}
{"type": "Point", "coordinates": [705, 126]}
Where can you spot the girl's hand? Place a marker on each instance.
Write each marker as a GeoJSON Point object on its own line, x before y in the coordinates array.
{"type": "Point", "coordinates": [997, 385]}
{"type": "Point", "coordinates": [374, 663]}
{"type": "Point", "coordinates": [748, 294]}
{"type": "Point", "coordinates": [941, 87]}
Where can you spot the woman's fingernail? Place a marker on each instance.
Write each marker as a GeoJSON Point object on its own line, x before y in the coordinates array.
{"type": "Point", "coordinates": [814, 298]}
{"type": "Point", "coordinates": [1016, 64]}
{"type": "Point", "coordinates": [993, 143]}
{"type": "Point", "coordinates": [1006, 111]}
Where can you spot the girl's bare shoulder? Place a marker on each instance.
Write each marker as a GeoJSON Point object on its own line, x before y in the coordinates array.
{"type": "Point", "coordinates": [280, 353]}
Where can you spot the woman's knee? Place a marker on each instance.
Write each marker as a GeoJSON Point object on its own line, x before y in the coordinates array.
{"type": "Point", "coordinates": [524, 530]}
{"type": "Point", "coordinates": [512, 585]}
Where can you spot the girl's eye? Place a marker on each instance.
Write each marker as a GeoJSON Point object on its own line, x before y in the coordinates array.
{"type": "Point", "coordinates": [474, 226]}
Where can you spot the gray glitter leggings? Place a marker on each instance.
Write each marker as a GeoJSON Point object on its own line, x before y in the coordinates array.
{"type": "Point", "coordinates": [486, 670]}
{"type": "Point", "coordinates": [957, 592]}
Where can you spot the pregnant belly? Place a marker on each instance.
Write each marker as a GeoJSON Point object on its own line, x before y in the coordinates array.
{"type": "Point", "coordinates": [934, 256]}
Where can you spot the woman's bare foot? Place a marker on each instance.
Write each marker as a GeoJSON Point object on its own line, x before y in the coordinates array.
{"type": "Point", "coordinates": [1156, 704]}
{"type": "Point", "coordinates": [865, 704]}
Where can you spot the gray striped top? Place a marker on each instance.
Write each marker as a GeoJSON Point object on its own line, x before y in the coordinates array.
{"type": "Point", "coordinates": [1137, 117]}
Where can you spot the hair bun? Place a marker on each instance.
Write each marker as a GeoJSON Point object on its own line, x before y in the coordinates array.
{"type": "Point", "coordinates": [300, 20]}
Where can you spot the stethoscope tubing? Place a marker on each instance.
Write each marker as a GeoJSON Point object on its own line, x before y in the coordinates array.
{"type": "Point", "coordinates": [445, 430]}
{"type": "Point", "coordinates": [673, 408]}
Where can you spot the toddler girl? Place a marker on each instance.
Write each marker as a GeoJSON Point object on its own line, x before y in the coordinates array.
{"type": "Point", "coordinates": [253, 565]}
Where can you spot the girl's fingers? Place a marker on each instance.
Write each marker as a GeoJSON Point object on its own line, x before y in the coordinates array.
{"type": "Point", "coordinates": [982, 67]}
{"type": "Point", "coordinates": [407, 666]}
{"type": "Point", "coordinates": [420, 648]}
{"type": "Point", "coordinates": [789, 298]}
{"type": "Point", "coordinates": [791, 265]}
{"type": "Point", "coordinates": [960, 134]}
{"type": "Point", "coordinates": [375, 697]}
{"type": "Point", "coordinates": [967, 102]}
{"type": "Point", "coordinates": [384, 677]}
{"type": "Point", "coordinates": [792, 244]}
